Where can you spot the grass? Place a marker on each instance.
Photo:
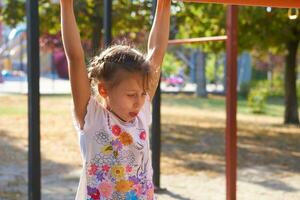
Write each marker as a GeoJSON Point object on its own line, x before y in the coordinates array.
{"type": "Point", "coordinates": [9, 108]}
{"type": "Point", "coordinates": [274, 106]}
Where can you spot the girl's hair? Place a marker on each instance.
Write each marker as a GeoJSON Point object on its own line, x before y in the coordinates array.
{"type": "Point", "coordinates": [106, 66]}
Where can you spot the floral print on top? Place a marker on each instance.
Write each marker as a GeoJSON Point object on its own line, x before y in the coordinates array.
{"type": "Point", "coordinates": [117, 164]}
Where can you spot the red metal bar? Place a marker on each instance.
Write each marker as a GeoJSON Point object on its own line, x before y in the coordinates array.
{"type": "Point", "coordinates": [231, 102]}
{"type": "Point", "coordinates": [265, 3]}
{"type": "Point", "coordinates": [197, 40]}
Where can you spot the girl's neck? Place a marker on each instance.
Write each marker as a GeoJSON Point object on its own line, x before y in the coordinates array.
{"type": "Point", "coordinates": [110, 110]}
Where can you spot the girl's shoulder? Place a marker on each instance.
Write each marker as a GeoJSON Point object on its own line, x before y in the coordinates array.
{"type": "Point", "coordinates": [94, 114]}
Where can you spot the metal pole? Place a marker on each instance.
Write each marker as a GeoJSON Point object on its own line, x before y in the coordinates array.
{"type": "Point", "coordinates": [263, 3]}
{"type": "Point", "coordinates": [197, 40]}
{"type": "Point", "coordinates": [34, 158]}
{"type": "Point", "coordinates": [231, 102]}
{"type": "Point", "coordinates": [21, 52]}
{"type": "Point", "coordinates": [1, 30]}
{"type": "Point", "coordinates": [156, 128]}
{"type": "Point", "coordinates": [156, 138]}
{"type": "Point", "coordinates": [107, 22]}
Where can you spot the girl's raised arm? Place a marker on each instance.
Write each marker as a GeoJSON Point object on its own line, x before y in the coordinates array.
{"type": "Point", "coordinates": [80, 84]}
{"type": "Point", "coordinates": [158, 42]}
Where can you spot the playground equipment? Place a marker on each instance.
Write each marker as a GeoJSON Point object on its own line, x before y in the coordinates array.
{"type": "Point", "coordinates": [14, 47]}
{"type": "Point", "coordinates": [198, 40]}
{"type": "Point", "coordinates": [265, 3]}
{"type": "Point", "coordinates": [13, 56]}
{"type": "Point", "coordinates": [231, 94]}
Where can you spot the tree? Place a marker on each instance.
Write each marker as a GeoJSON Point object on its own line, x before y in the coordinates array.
{"type": "Point", "coordinates": [131, 19]}
{"type": "Point", "coordinates": [200, 20]}
{"type": "Point", "coordinates": [266, 31]}
{"type": "Point", "coordinates": [274, 31]}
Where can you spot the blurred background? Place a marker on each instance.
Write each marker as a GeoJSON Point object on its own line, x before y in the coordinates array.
{"type": "Point", "coordinates": [193, 98]}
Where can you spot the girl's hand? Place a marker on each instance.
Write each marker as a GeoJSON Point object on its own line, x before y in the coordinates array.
{"type": "Point", "coordinates": [66, 2]}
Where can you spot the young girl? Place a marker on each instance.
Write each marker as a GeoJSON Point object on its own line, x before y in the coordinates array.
{"type": "Point", "coordinates": [114, 134]}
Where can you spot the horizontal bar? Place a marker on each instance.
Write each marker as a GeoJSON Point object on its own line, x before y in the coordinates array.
{"type": "Point", "coordinates": [264, 3]}
{"type": "Point", "coordinates": [197, 40]}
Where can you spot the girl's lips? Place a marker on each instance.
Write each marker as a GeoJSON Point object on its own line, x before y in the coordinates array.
{"type": "Point", "coordinates": [133, 114]}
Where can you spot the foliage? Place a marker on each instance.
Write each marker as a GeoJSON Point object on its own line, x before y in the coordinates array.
{"type": "Point", "coordinates": [258, 74]}
{"type": "Point", "coordinates": [13, 12]}
{"type": "Point", "coordinates": [131, 18]}
{"type": "Point", "coordinates": [266, 30]}
{"type": "Point", "coordinates": [261, 91]}
{"type": "Point", "coordinates": [214, 69]}
{"type": "Point", "coordinates": [257, 27]}
{"type": "Point", "coordinates": [171, 65]}
{"type": "Point", "coordinates": [202, 20]}
{"type": "Point", "coordinates": [244, 89]}
{"type": "Point", "coordinates": [276, 86]}
{"type": "Point", "coordinates": [257, 98]}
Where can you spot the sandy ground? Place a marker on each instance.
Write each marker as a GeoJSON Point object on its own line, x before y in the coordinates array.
{"type": "Point", "coordinates": [256, 183]}
{"type": "Point", "coordinates": [192, 154]}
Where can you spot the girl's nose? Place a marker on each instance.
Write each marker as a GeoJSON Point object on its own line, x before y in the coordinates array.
{"type": "Point", "coordinates": [138, 101]}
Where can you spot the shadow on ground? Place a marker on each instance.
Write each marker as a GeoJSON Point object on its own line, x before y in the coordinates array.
{"type": "Point", "coordinates": [14, 172]}
{"type": "Point", "coordinates": [196, 147]}
{"type": "Point", "coordinates": [171, 194]}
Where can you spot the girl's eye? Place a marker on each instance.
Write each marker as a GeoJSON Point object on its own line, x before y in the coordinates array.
{"type": "Point", "coordinates": [133, 95]}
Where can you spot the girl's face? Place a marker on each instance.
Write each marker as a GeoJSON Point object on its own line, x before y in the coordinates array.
{"type": "Point", "coordinates": [127, 98]}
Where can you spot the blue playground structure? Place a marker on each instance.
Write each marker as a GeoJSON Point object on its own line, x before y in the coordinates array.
{"type": "Point", "coordinates": [13, 57]}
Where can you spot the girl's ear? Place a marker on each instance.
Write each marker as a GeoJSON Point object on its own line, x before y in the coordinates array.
{"type": "Point", "coordinates": [102, 90]}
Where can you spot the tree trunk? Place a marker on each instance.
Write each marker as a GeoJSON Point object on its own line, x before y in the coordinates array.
{"type": "Point", "coordinates": [97, 27]}
{"type": "Point", "coordinates": [200, 74]}
{"type": "Point", "coordinates": [290, 75]}
{"type": "Point", "coordinates": [96, 37]}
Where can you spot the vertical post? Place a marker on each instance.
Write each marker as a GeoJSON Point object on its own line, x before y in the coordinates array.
{"type": "Point", "coordinates": [33, 72]}
{"type": "Point", "coordinates": [1, 42]}
{"type": "Point", "coordinates": [155, 138]}
{"type": "Point", "coordinates": [107, 22]}
{"type": "Point", "coordinates": [21, 52]}
{"type": "Point", "coordinates": [200, 74]}
{"type": "Point", "coordinates": [231, 102]}
{"type": "Point", "coordinates": [155, 129]}
{"type": "Point", "coordinates": [1, 29]}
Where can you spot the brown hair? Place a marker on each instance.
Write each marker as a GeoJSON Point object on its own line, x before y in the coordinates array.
{"type": "Point", "coordinates": [112, 60]}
